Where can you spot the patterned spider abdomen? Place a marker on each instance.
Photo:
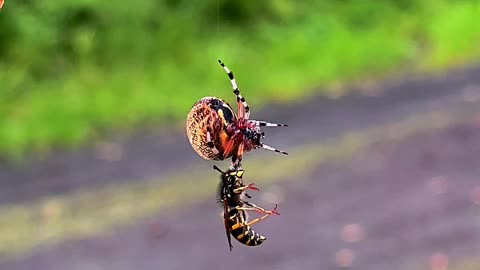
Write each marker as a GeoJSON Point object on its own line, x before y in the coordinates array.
{"type": "Point", "coordinates": [206, 127]}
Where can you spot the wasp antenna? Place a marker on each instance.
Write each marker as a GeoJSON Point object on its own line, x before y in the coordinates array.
{"type": "Point", "coordinates": [218, 169]}
{"type": "Point", "coordinates": [267, 124]}
{"type": "Point", "coordinates": [264, 146]}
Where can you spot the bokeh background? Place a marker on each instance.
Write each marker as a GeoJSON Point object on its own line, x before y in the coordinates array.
{"type": "Point", "coordinates": [381, 97]}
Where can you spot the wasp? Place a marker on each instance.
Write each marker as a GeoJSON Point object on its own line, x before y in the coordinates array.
{"type": "Point", "coordinates": [217, 133]}
{"type": "Point", "coordinates": [235, 208]}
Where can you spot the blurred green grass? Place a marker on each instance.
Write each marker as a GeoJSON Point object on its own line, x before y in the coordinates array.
{"type": "Point", "coordinates": [72, 71]}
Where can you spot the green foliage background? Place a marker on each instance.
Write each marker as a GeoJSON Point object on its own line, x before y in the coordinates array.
{"type": "Point", "coordinates": [71, 70]}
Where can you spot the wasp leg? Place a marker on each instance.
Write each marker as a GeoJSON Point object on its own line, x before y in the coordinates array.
{"type": "Point", "coordinates": [259, 209]}
{"type": "Point", "coordinates": [243, 108]}
{"type": "Point", "coordinates": [249, 186]}
{"type": "Point", "coordinates": [260, 218]}
{"type": "Point", "coordinates": [257, 220]}
{"type": "Point", "coordinates": [266, 124]}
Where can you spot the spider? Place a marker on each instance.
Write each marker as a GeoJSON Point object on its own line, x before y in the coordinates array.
{"type": "Point", "coordinates": [217, 133]}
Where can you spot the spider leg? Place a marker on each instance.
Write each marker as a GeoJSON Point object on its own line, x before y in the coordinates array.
{"type": "Point", "coordinates": [234, 164]}
{"type": "Point", "coordinates": [228, 148]}
{"type": "Point", "coordinates": [240, 153]}
{"type": "Point", "coordinates": [237, 158]}
{"type": "Point", "coordinates": [266, 124]}
{"type": "Point", "coordinates": [230, 144]}
{"type": "Point", "coordinates": [243, 108]}
{"type": "Point", "coordinates": [264, 146]}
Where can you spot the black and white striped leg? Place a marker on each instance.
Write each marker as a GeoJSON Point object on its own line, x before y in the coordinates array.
{"type": "Point", "coordinates": [266, 124]}
{"type": "Point", "coordinates": [264, 146]}
{"type": "Point", "coordinates": [243, 108]}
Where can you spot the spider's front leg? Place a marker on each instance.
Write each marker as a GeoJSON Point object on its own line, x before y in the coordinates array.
{"type": "Point", "coordinates": [243, 108]}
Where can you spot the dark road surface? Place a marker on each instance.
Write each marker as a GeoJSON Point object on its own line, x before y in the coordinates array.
{"type": "Point", "coordinates": [404, 200]}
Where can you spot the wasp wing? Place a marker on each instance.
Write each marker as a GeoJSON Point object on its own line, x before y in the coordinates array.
{"type": "Point", "coordinates": [227, 227]}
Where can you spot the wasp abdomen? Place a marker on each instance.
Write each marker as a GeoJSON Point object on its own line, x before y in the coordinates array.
{"type": "Point", "coordinates": [241, 231]}
{"type": "Point", "coordinates": [247, 236]}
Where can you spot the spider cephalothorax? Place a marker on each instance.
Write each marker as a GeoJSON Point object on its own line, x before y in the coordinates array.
{"type": "Point", "coordinates": [216, 132]}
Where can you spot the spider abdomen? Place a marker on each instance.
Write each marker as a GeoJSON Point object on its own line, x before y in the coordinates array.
{"type": "Point", "coordinates": [206, 127]}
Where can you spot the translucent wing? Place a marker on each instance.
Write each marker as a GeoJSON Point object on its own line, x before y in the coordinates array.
{"type": "Point", "coordinates": [227, 227]}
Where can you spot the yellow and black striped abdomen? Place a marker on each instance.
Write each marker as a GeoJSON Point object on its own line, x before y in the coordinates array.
{"type": "Point", "coordinates": [241, 231]}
